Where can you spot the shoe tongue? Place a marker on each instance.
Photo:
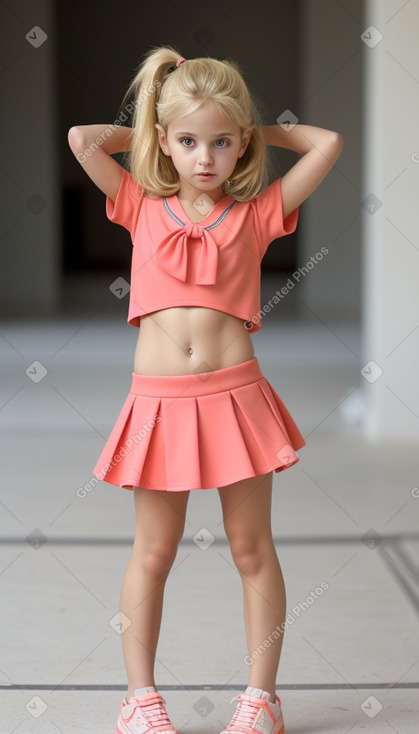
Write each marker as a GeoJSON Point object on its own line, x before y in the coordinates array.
{"type": "Point", "coordinates": [257, 692]}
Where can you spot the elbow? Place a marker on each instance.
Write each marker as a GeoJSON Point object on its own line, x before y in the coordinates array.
{"type": "Point", "coordinates": [337, 142]}
{"type": "Point", "coordinates": [335, 147]}
{"type": "Point", "coordinates": [72, 132]}
{"type": "Point", "coordinates": [75, 137]}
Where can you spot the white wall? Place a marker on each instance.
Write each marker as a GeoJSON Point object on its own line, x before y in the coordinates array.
{"type": "Point", "coordinates": [391, 235]}
{"type": "Point", "coordinates": [369, 93]}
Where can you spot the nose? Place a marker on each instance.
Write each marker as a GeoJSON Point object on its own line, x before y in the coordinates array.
{"type": "Point", "coordinates": [204, 155]}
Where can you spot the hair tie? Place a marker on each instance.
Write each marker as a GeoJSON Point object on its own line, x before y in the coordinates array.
{"type": "Point", "coordinates": [179, 61]}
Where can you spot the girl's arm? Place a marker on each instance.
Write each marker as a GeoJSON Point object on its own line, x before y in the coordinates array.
{"type": "Point", "coordinates": [320, 149]}
{"type": "Point", "coordinates": [93, 146]}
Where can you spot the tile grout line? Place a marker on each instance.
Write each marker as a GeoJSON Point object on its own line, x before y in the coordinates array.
{"type": "Point", "coordinates": [210, 687]}
{"type": "Point", "coordinates": [297, 540]}
{"type": "Point", "coordinates": [397, 573]}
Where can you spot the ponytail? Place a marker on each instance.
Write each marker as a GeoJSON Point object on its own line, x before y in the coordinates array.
{"type": "Point", "coordinates": [146, 161]}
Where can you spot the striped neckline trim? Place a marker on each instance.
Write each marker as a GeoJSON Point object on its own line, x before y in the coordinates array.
{"type": "Point", "coordinates": [209, 226]}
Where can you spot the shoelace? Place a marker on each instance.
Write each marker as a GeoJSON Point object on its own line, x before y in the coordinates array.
{"type": "Point", "coordinates": [155, 713]}
{"type": "Point", "coordinates": [245, 713]}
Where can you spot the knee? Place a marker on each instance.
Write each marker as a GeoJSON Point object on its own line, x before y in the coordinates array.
{"type": "Point", "coordinates": [249, 554]}
{"type": "Point", "coordinates": [156, 559]}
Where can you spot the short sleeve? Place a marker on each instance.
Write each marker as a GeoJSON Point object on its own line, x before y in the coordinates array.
{"type": "Point", "coordinates": [126, 207]}
{"type": "Point", "coordinates": [269, 216]}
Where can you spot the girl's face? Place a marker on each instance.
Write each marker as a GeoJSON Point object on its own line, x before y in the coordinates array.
{"type": "Point", "coordinates": [204, 147]}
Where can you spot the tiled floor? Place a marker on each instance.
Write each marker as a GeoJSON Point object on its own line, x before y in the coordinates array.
{"type": "Point", "coordinates": [346, 515]}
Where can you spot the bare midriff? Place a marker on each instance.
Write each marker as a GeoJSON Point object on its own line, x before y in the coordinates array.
{"type": "Point", "coordinates": [189, 339]}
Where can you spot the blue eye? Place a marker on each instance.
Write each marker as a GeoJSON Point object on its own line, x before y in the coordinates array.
{"type": "Point", "coordinates": [189, 142]}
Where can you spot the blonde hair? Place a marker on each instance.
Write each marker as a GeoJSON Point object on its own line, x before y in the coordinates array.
{"type": "Point", "coordinates": [162, 92]}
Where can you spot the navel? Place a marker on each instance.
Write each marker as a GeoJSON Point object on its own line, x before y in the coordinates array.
{"type": "Point", "coordinates": [190, 350]}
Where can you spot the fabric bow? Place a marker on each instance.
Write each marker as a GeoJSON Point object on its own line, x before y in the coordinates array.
{"type": "Point", "coordinates": [172, 254]}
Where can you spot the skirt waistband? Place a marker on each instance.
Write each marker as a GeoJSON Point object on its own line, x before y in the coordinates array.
{"type": "Point", "coordinates": [197, 383]}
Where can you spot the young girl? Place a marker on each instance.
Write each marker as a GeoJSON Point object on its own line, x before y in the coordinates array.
{"type": "Point", "coordinates": [200, 414]}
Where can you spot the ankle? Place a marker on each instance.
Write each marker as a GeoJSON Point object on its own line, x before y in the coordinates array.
{"type": "Point", "coordinates": [138, 691]}
{"type": "Point", "coordinates": [257, 691]}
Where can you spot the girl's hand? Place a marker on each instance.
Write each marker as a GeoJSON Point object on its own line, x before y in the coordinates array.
{"type": "Point", "coordinates": [320, 149]}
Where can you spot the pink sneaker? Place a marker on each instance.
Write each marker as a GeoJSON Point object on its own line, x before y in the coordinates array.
{"type": "Point", "coordinates": [256, 715]}
{"type": "Point", "coordinates": [144, 714]}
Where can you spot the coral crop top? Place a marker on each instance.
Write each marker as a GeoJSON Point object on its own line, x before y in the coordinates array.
{"type": "Point", "coordinates": [213, 263]}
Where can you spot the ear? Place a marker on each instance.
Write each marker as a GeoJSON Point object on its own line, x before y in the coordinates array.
{"type": "Point", "coordinates": [162, 139]}
{"type": "Point", "coordinates": [244, 144]}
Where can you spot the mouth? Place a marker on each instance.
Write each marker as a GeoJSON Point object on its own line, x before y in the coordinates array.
{"type": "Point", "coordinates": [205, 175]}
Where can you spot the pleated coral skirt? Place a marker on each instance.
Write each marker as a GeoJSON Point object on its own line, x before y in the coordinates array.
{"type": "Point", "coordinates": [199, 431]}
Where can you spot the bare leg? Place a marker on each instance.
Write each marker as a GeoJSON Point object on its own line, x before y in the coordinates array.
{"type": "Point", "coordinates": [247, 522]}
{"type": "Point", "coordinates": [160, 522]}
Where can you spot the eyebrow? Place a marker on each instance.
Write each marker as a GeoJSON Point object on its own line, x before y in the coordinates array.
{"type": "Point", "coordinates": [218, 135]}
